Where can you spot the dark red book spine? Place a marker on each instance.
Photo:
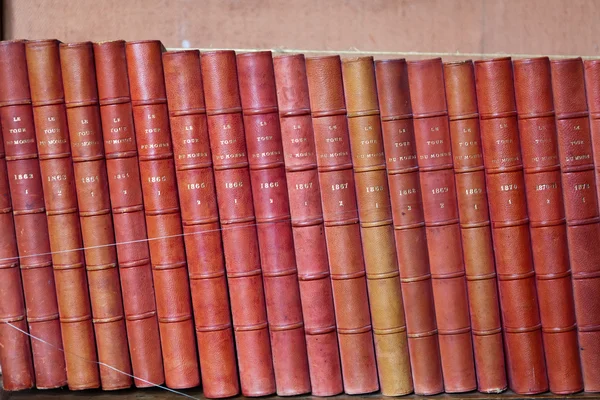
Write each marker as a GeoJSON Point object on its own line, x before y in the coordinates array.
{"type": "Point", "coordinates": [163, 217]}
{"type": "Point", "coordinates": [505, 182]}
{"type": "Point", "coordinates": [271, 202]}
{"type": "Point", "coordinates": [60, 197]}
{"type": "Point", "coordinates": [307, 225]}
{"type": "Point", "coordinates": [236, 214]}
{"type": "Point", "coordinates": [201, 228]}
{"type": "Point", "coordinates": [409, 225]}
{"type": "Point", "coordinates": [31, 225]}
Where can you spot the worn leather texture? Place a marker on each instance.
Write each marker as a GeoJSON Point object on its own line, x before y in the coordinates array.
{"type": "Point", "coordinates": [91, 183]}
{"type": "Point", "coordinates": [537, 129]}
{"type": "Point", "coordinates": [200, 217]}
{"type": "Point", "coordinates": [236, 214]}
{"type": "Point", "coordinates": [307, 225]}
{"type": "Point", "coordinates": [33, 243]}
{"type": "Point", "coordinates": [163, 217]}
{"type": "Point", "coordinates": [440, 209]}
{"type": "Point", "coordinates": [524, 352]}
{"type": "Point", "coordinates": [129, 223]}
{"type": "Point", "coordinates": [575, 148]}
{"type": "Point", "coordinates": [60, 198]}
{"type": "Point", "coordinates": [475, 226]}
{"type": "Point", "coordinates": [409, 225]}
{"type": "Point", "coordinates": [275, 239]}
{"type": "Point", "coordinates": [15, 347]}
{"type": "Point", "coordinates": [374, 212]}
{"type": "Point", "coordinates": [342, 231]}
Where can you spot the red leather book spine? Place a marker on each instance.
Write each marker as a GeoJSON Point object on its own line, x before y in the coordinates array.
{"type": "Point", "coordinates": [575, 149]}
{"type": "Point", "coordinates": [60, 197]}
{"type": "Point", "coordinates": [533, 94]}
{"type": "Point", "coordinates": [510, 226]}
{"type": "Point", "coordinates": [15, 349]}
{"type": "Point", "coordinates": [269, 192]}
{"type": "Point", "coordinates": [163, 218]}
{"type": "Point", "coordinates": [31, 226]}
{"type": "Point", "coordinates": [201, 226]}
{"type": "Point", "coordinates": [409, 225]}
{"type": "Point", "coordinates": [475, 227]}
{"type": "Point", "coordinates": [125, 190]}
{"type": "Point", "coordinates": [440, 209]}
{"type": "Point", "coordinates": [91, 182]}
{"type": "Point", "coordinates": [236, 214]}
{"type": "Point", "coordinates": [307, 225]}
{"type": "Point", "coordinates": [377, 229]}
{"type": "Point", "coordinates": [592, 88]}
{"type": "Point", "coordinates": [342, 231]}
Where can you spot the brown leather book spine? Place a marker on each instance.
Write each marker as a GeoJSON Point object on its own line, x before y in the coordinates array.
{"type": "Point", "coordinates": [201, 226]}
{"type": "Point", "coordinates": [31, 227]}
{"type": "Point", "coordinates": [15, 349]}
{"type": "Point", "coordinates": [269, 192]}
{"type": "Point", "coordinates": [510, 226]}
{"type": "Point", "coordinates": [236, 214]}
{"type": "Point", "coordinates": [60, 197]}
{"type": "Point", "coordinates": [377, 229]}
{"type": "Point", "coordinates": [342, 231]}
{"type": "Point", "coordinates": [129, 224]}
{"type": "Point", "coordinates": [440, 209]}
{"type": "Point", "coordinates": [575, 148]}
{"type": "Point", "coordinates": [475, 227]}
{"type": "Point", "coordinates": [535, 110]}
{"type": "Point", "coordinates": [91, 182]}
{"type": "Point", "coordinates": [409, 225]}
{"type": "Point", "coordinates": [163, 218]}
{"type": "Point", "coordinates": [307, 225]}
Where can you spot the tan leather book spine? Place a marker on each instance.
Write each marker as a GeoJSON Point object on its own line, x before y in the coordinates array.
{"type": "Point", "coordinates": [236, 214]}
{"type": "Point", "coordinates": [163, 217]}
{"type": "Point", "coordinates": [60, 198]}
{"type": "Point", "coordinates": [127, 205]}
{"type": "Point", "coordinates": [537, 128]}
{"type": "Point", "coordinates": [200, 217]}
{"type": "Point", "coordinates": [91, 182]}
{"type": "Point", "coordinates": [575, 148]}
{"type": "Point", "coordinates": [526, 368]}
{"type": "Point", "coordinates": [409, 225]}
{"type": "Point", "coordinates": [377, 229]}
{"type": "Point", "coordinates": [307, 225]}
{"type": "Point", "coordinates": [256, 81]}
{"type": "Point", "coordinates": [15, 349]}
{"type": "Point", "coordinates": [31, 226]}
{"type": "Point", "coordinates": [440, 209]}
{"type": "Point", "coordinates": [342, 230]}
{"type": "Point", "coordinates": [475, 227]}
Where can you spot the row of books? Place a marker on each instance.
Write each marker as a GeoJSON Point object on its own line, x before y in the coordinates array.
{"type": "Point", "coordinates": [288, 225]}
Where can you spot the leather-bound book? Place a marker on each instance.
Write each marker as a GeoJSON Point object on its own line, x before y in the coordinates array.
{"type": "Point", "coordinates": [271, 202]}
{"type": "Point", "coordinates": [163, 218]}
{"type": "Point", "coordinates": [537, 129]}
{"type": "Point", "coordinates": [526, 368]}
{"type": "Point", "coordinates": [475, 227]}
{"type": "Point", "coordinates": [440, 209]}
{"type": "Point", "coordinates": [129, 224]}
{"type": "Point", "coordinates": [592, 87]}
{"type": "Point", "coordinates": [377, 229]}
{"type": "Point", "coordinates": [581, 204]}
{"type": "Point", "coordinates": [31, 225]}
{"type": "Point", "coordinates": [60, 198]}
{"type": "Point", "coordinates": [236, 214]}
{"type": "Point", "coordinates": [307, 225]}
{"type": "Point", "coordinates": [91, 182]}
{"type": "Point", "coordinates": [15, 352]}
{"type": "Point", "coordinates": [196, 184]}
{"type": "Point", "coordinates": [409, 225]}
{"type": "Point", "coordinates": [342, 231]}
